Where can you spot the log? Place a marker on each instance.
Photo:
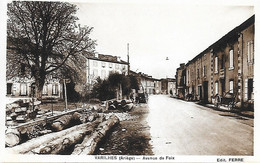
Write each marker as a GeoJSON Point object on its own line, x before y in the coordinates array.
{"type": "Point", "coordinates": [64, 142]}
{"type": "Point", "coordinates": [21, 118]}
{"type": "Point", "coordinates": [61, 122]}
{"type": "Point", "coordinates": [12, 137]}
{"type": "Point", "coordinates": [88, 145]}
{"type": "Point", "coordinates": [65, 121]}
{"type": "Point", "coordinates": [111, 107]}
{"type": "Point", "coordinates": [128, 106]}
{"type": "Point", "coordinates": [28, 146]}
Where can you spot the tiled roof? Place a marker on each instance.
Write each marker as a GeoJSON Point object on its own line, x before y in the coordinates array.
{"type": "Point", "coordinates": [106, 58]}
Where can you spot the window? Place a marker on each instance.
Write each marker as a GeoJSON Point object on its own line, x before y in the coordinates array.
{"type": "Point", "coordinates": [95, 63]}
{"type": "Point", "coordinates": [204, 71]}
{"type": "Point", "coordinates": [188, 76]}
{"type": "Point", "coordinates": [250, 51]}
{"type": "Point", "coordinates": [223, 61]}
{"type": "Point", "coordinates": [231, 86]}
{"type": "Point", "coordinates": [198, 73]}
{"type": "Point", "coordinates": [231, 59]}
{"type": "Point", "coordinates": [54, 89]}
{"type": "Point", "coordinates": [216, 64]}
{"type": "Point", "coordinates": [23, 89]}
{"type": "Point", "coordinates": [110, 65]}
{"type": "Point", "coordinates": [216, 87]}
{"type": "Point", "coordinates": [9, 88]}
{"type": "Point", "coordinates": [87, 62]}
{"type": "Point", "coordinates": [45, 90]}
{"type": "Point", "coordinates": [103, 64]}
{"type": "Point", "coordinates": [103, 74]}
{"type": "Point", "coordinates": [246, 89]}
{"type": "Point", "coordinates": [124, 67]}
{"type": "Point", "coordinates": [95, 72]}
{"type": "Point", "coordinates": [205, 57]}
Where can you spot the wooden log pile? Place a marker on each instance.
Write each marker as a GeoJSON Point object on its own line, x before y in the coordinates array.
{"type": "Point", "coordinates": [125, 105]}
{"type": "Point", "coordinates": [84, 137]}
{"type": "Point", "coordinates": [89, 144]}
{"type": "Point", "coordinates": [22, 110]}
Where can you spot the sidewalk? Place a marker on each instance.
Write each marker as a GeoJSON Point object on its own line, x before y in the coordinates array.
{"type": "Point", "coordinates": [248, 114]}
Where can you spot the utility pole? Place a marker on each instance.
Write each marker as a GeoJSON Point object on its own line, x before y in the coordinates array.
{"type": "Point", "coordinates": [128, 64]}
{"type": "Point", "coordinates": [65, 93]}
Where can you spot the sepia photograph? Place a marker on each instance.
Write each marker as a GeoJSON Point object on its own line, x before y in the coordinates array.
{"type": "Point", "coordinates": [128, 81]}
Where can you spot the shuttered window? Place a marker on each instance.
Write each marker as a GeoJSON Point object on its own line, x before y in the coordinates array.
{"type": "Point", "coordinates": [231, 59]}
{"type": "Point", "coordinates": [216, 64]}
{"type": "Point", "coordinates": [231, 86]}
{"type": "Point", "coordinates": [250, 51]}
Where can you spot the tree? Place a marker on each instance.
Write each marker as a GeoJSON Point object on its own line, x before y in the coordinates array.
{"type": "Point", "coordinates": [108, 88]}
{"type": "Point", "coordinates": [43, 39]}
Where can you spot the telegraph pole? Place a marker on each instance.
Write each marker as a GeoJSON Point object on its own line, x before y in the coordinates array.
{"type": "Point", "coordinates": [128, 64]}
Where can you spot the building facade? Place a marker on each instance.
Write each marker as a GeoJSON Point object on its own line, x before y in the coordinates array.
{"type": "Point", "coordinates": [225, 68]}
{"type": "Point", "coordinates": [180, 81]}
{"type": "Point", "coordinates": [100, 65]}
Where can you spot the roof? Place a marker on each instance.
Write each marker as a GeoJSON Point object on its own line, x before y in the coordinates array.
{"type": "Point", "coordinates": [230, 35]}
{"type": "Point", "coordinates": [105, 58]}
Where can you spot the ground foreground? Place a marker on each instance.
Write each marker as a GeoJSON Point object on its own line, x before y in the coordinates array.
{"type": "Point", "coordinates": [130, 137]}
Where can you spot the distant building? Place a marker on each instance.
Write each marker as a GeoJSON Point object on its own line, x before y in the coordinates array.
{"type": "Point", "coordinates": [157, 86]}
{"type": "Point", "coordinates": [180, 81]}
{"type": "Point", "coordinates": [100, 65]}
{"type": "Point", "coordinates": [171, 86]}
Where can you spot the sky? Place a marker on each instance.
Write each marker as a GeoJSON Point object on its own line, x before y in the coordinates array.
{"type": "Point", "coordinates": [156, 31]}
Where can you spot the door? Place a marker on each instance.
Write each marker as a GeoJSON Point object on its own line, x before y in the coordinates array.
{"type": "Point", "coordinates": [9, 88]}
{"type": "Point", "coordinates": [222, 81]}
{"type": "Point", "coordinates": [250, 89]}
{"type": "Point", "coordinates": [205, 92]}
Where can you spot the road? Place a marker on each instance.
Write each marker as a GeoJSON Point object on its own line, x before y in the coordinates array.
{"type": "Point", "coordinates": [184, 128]}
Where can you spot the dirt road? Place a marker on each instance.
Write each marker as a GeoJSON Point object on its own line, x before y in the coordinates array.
{"type": "Point", "coordinates": [130, 137]}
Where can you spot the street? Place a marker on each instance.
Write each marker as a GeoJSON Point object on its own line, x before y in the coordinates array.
{"type": "Point", "coordinates": [185, 128]}
{"type": "Point", "coordinates": [168, 126]}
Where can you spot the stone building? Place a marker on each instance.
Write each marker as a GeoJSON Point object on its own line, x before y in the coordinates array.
{"type": "Point", "coordinates": [100, 65]}
{"type": "Point", "coordinates": [180, 81]}
{"type": "Point", "coordinates": [225, 68]}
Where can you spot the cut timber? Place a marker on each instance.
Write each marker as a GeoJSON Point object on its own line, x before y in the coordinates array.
{"type": "Point", "coordinates": [128, 106]}
{"type": "Point", "coordinates": [28, 146]}
{"type": "Point", "coordinates": [12, 137]}
{"type": "Point", "coordinates": [88, 145]}
{"type": "Point", "coordinates": [66, 141]}
{"type": "Point", "coordinates": [21, 118]}
{"type": "Point", "coordinates": [64, 121]}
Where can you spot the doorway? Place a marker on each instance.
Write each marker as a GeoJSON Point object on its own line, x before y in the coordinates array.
{"type": "Point", "coordinates": [205, 92]}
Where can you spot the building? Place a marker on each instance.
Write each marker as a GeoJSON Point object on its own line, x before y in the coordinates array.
{"type": "Point", "coordinates": [171, 86]}
{"type": "Point", "coordinates": [100, 65]}
{"type": "Point", "coordinates": [20, 84]}
{"type": "Point", "coordinates": [180, 81]}
{"type": "Point", "coordinates": [168, 86]}
{"type": "Point", "coordinates": [157, 86]}
{"type": "Point", "coordinates": [225, 68]}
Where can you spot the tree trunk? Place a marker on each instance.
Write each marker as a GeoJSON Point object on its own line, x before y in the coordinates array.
{"type": "Point", "coordinates": [39, 83]}
{"type": "Point", "coordinates": [42, 141]}
{"type": "Point", "coordinates": [65, 121]}
{"type": "Point", "coordinates": [88, 145]}
{"type": "Point", "coordinates": [66, 141]}
{"type": "Point", "coordinates": [12, 137]}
